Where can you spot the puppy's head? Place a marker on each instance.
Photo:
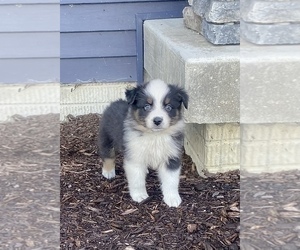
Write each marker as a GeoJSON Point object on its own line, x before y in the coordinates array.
{"type": "Point", "coordinates": [156, 105]}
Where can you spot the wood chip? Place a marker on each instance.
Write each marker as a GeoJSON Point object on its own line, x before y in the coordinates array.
{"type": "Point", "coordinates": [129, 211]}
{"type": "Point", "coordinates": [192, 228]}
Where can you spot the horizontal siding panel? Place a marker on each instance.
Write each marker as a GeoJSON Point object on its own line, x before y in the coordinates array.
{"type": "Point", "coordinates": [117, 69]}
{"type": "Point", "coordinates": [20, 2]}
{"type": "Point", "coordinates": [107, 17]}
{"type": "Point", "coordinates": [111, 1]}
{"type": "Point", "coordinates": [29, 70]}
{"type": "Point", "coordinates": [29, 45]}
{"type": "Point", "coordinates": [44, 17]}
{"type": "Point", "coordinates": [98, 44]}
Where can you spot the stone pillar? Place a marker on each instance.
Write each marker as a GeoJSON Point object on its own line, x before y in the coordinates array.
{"type": "Point", "coordinates": [217, 20]}
{"type": "Point", "coordinates": [271, 22]}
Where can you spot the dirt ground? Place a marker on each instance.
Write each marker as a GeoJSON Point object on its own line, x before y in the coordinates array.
{"type": "Point", "coordinates": [29, 183]}
{"type": "Point", "coordinates": [270, 211]}
{"type": "Point", "coordinates": [99, 214]}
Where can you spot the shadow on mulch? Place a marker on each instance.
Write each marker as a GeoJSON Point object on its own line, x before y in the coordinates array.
{"type": "Point", "coordinates": [99, 214]}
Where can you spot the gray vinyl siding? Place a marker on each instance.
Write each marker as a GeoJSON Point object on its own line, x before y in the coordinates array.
{"type": "Point", "coordinates": [98, 44]}
{"type": "Point", "coordinates": [29, 41]}
{"type": "Point", "coordinates": [98, 38]}
{"type": "Point", "coordinates": [72, 40]}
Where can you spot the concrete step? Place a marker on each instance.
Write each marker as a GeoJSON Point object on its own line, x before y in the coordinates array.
{"type": "Point", "coordinates": [209, 73]}
{"type": "Point", "coordinates": [269, 84]}
{"type": "Point", "coordinates": [258, 87]}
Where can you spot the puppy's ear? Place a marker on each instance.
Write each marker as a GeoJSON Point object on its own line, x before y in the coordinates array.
{"type": "Point", "coordinates": [131, 95]}
{"type": "Point", "coordinates": [184, 98]}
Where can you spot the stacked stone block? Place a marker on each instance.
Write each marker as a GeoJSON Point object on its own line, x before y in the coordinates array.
{"type": "Point", "coordinates": [271, 21]}
{"type": "Point", "coordinates": [217, 20]}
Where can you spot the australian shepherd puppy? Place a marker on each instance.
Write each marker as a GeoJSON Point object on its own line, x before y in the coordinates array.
{"type": "Point", "coordinates": [148, 128]}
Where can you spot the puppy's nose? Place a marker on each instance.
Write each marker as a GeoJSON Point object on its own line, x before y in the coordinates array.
{"type": "Point", "coordinates": [157, 120]}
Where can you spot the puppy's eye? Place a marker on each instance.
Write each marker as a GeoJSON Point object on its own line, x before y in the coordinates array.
{"type": "Point", "coordinates": [147, 107]}
{"type": "Point", "coordinates": [168, 107]}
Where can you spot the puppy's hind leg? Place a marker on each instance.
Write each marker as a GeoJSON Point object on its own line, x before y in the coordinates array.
{"type": "Point", "coordinates": [107, 154]}
{"type": "Point", "coordinates": [108, 170]}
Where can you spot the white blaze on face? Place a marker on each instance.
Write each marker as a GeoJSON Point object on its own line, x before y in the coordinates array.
{"type": "Point", "coordinates": [157, 90]}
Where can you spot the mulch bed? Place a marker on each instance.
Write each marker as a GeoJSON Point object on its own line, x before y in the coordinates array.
{"type": "Point", "coordinates": [270, 211]}
{"type": "Point", "coordinates": [29, 183]}
{"type": "Point", "coordinates": [99, 214]}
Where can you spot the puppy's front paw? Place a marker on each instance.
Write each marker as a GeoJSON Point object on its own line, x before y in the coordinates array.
{"type": "Point", "coordinates": [109, 174]}
{"type": "Point", "coordinates": [172, 200]}
{"type": "Point", "coordinates": [138, 196]}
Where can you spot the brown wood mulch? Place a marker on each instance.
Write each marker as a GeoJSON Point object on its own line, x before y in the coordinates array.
{"type": "Point", "coordinates": [99, 214]}
{"type": "Point", "coordinates": [29, 183]}
{"type": "Point", "coordinates": [270, 211]}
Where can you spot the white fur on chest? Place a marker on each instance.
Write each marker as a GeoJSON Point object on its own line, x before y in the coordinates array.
{"type": "Point", "coordinates": [150, 149]}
